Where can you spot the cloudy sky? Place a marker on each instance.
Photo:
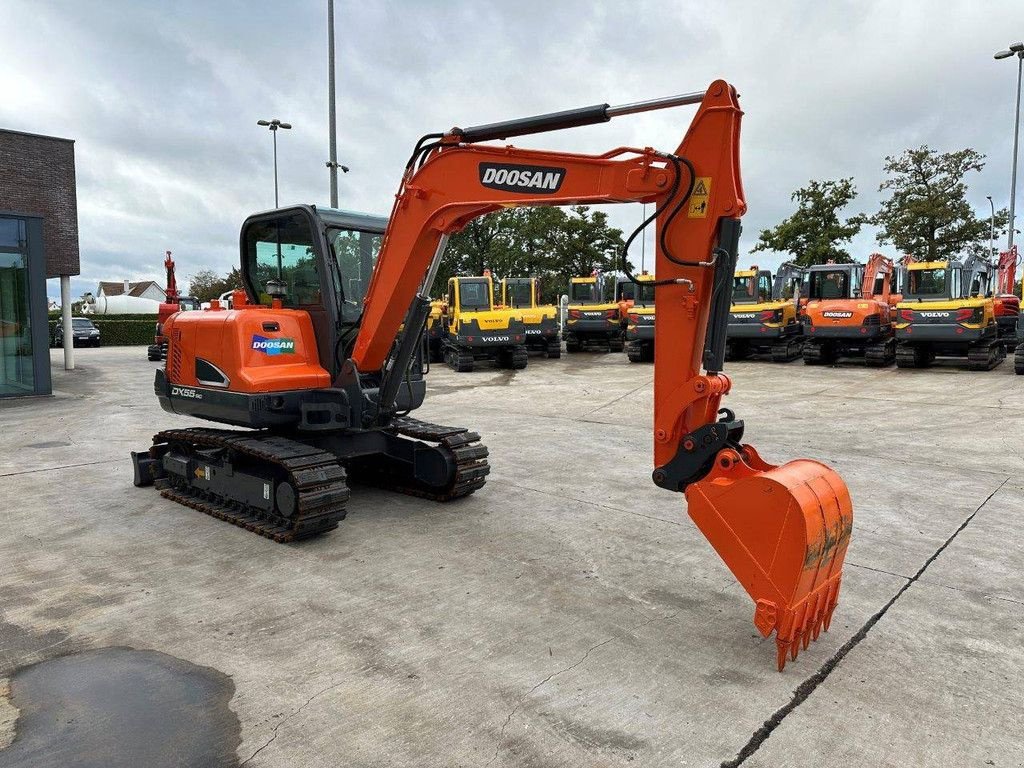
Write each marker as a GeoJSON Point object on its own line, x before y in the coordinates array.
{"type": "Point", "coordinates": [162, 98]}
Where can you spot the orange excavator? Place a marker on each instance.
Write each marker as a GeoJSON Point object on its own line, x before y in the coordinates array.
{"type": "Point", "coordinates": [173, 302]}
{"type": "Point", "coordinates": [327, 383]}
{"type": "Point", "coordinates": [849, 312]}
{"type": "Point", "coordinates": [1006, 302]}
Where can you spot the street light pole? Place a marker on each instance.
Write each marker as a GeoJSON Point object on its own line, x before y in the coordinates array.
{"type": "Point", "coordinates": [273, 125]}
{"type": "Point", "coordinates": [991, 228]}
{"type": "Point", "coordinates": [1018, 49]}
{"type": "Point", "coordinates": [332, 163]}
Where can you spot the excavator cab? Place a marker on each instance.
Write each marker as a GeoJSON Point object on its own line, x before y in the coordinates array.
{"type": "Point", "coordinates": [849, 314]}
{"type": "Point", "coordinates": [473, 329]}
{"type": "Point", "coordinates": [640, 321]}
{"type": "Point", "coordinates": [948, 310]}
{"type": "Point", "coordinates": [764, 316]}
{"type": "Point", "coordinates": [591, 320]}
{"type": "Point", "coordinates": [540, 322]}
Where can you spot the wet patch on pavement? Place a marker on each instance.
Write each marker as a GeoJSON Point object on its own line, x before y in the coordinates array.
{"type": "Point", "coordinates": [120, 708]}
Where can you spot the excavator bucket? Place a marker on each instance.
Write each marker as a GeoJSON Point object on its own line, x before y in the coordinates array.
{"type": "Point", "coordinates": [783, 532]}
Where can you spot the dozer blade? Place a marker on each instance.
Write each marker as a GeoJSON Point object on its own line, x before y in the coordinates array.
{"type": "Point", "coordinates": [783, 532]}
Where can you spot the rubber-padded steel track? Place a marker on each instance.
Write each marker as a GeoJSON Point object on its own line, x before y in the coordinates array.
{"type": "Point", "coordinates": [316, 476]}
{"type": "Point", "coordinates": [787, 350]}
{"type": "Point", "coordinates": [881, 353]}
{"type": "Point", "coordinates": [985, 357]}
{"type": "Point", "coordinates": [468, 457]}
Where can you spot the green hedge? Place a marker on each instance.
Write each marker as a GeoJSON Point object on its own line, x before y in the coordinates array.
{"type": "Point", "coordinates": [121, 333]}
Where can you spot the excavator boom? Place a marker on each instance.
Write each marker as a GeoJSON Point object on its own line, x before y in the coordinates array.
{"type": "Point", "coordinates": [323, 377]}
{"type": "Point", "coordinates": [783, 531]}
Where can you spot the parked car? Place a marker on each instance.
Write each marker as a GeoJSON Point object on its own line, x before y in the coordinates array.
{"type": "Point", "coordinates": [84, 333]}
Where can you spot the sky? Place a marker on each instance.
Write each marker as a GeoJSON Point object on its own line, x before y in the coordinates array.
{"type": "Point", "coordinates": [162, 99]}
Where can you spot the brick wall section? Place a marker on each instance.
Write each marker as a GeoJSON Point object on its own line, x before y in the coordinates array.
{"type": "Point", "coordinates": [37, 176]}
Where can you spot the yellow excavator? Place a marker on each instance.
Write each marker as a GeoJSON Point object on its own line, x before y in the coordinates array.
{"type": "Point", "coordinates": [640, 321]}
{"type": "Point", "coordinates": [948, 310]}
{"type": "Point", "coordinates": [473, 329]}
{"type": "Point", "coordinates": [591, 320]}
{"type": "Point", "coordinates": [540, 322]}
{"type": "Point", "coordinates": [434, 330]}
{"type": "Point", "coordinates": [765, 313]}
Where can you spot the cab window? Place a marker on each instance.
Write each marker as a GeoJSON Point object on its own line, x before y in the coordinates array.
{"type": "Point", "coordinates": [581, 292]}
{"type": "Point", "coordinates": [927, 282]}
{"type": "Point", "coordinates": [282, 249]}
{"type": "Point", "coordinates": [474, 296]}
{"type": "Point", "coordinates": [645, 293]}
{"type": "Point", "coordinates": [830, 285]}
{"type": "Point", "coordinates": [743, 290]}
{"type": "Point", "coordinates": [764, 287]}
{"type": "Point", "coordinates": [625, 291]}
{"type": "Point", "coordinates": [355, 253]}
{"type": "Point", "coordinates": [518, 294]}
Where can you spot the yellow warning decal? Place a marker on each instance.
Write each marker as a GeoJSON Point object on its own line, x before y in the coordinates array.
{"type": "Point", "coordinates": [698, 208]}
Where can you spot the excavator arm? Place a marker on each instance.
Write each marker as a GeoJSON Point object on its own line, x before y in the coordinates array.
{"type": "Point", "coordinates": [172, 284]}
{"type": "Point", "coordinates": [1007, 271]}
{"type": "Point", "coordinates": [783, 531]}
{"type": "Point", "coordinates": [878, 266]}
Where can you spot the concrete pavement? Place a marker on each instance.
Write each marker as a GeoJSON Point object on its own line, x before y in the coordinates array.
{"type": "Point", "coordinates": [568, 614]}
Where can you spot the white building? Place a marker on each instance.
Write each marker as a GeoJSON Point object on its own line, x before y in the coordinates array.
{"type": "Point", "coordinates": [144, 289]}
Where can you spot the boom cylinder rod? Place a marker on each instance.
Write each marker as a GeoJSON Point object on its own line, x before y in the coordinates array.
{"type": "Point", "coordinates": [665, 102]}
{"type": "Point", "coordinates": [570, 118]}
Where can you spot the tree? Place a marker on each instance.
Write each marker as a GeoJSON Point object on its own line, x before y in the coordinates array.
{"type": "Point", "coordinates": [207, 284]}
{"type": "Point", "coordinates": [928, 215]}
{"type": "Point", "coordinates": [546, 242]}
{"type": "Point", "coordinates": [814, 234]}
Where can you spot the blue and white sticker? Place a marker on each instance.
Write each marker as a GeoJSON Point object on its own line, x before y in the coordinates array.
{"type": "Point", "coordinates": [282, 346]}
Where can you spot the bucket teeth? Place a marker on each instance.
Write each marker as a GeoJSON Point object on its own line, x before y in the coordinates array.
{"type": "Point", "coordinates": [783, 531]}
{"type": "Point", "coordinates": [801, 626]}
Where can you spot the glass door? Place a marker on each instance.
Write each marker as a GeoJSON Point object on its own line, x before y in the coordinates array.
{"type": "Point", "coordinates": [16, 362]}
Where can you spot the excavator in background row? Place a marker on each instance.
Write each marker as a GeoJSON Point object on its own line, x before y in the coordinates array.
{"type": "Point", "coordinates": [590, 319]}
{"type": "Point", "coordinates": [640, 321]}
{"type": "Point", "coordinates": [948, 310]}
{"type": "Point", "coordinates": [765, 313]}
{"type": "Point", "coordinates": [1006, 302]}
{"type": "Point", "coordinates": [849, 312]}
{"type": "Point", "coordinates": [173, 302]}
{"type": "Point", "coordinates": [433, 331]}
{"type": "Point", "coordinates": [473, 329]}
{"type": "Point", "coordinates": [323, 383]}
{"type": "Point", "coordinates": [540, 322]}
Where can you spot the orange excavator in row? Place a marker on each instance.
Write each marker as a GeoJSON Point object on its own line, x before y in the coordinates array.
{"type": "Point", "coordinates": [849, 312]}
{"type": "Point", "coordinates": [326, 383]}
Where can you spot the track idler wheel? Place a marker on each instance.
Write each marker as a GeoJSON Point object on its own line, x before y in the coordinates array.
{"type": "Point", "coordinates": [783, 531]}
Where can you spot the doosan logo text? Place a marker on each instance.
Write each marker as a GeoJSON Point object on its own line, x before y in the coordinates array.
{"type": "Point", "coordinates": [282, 346]}
{"type": "Point", "coordinates": [521, 178]}
{"type": "Point", "coordinates": [837, 314]}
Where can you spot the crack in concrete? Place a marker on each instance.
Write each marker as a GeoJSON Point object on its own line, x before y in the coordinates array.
{"type": "Point", "coordinates": [620, 397]}
{"type": "Point", "coordinates": [60, 467]}
{"type": "Point", "coordinates": [972, 592]}
{"type": "Point", "coordinates": [878, 570]}
{"type": "Point", "coordinates": [808, 686]}
{"type": "Point", "coordinates": [273, 733]}
{"type": "Point", "coordinates": [542, 683]}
